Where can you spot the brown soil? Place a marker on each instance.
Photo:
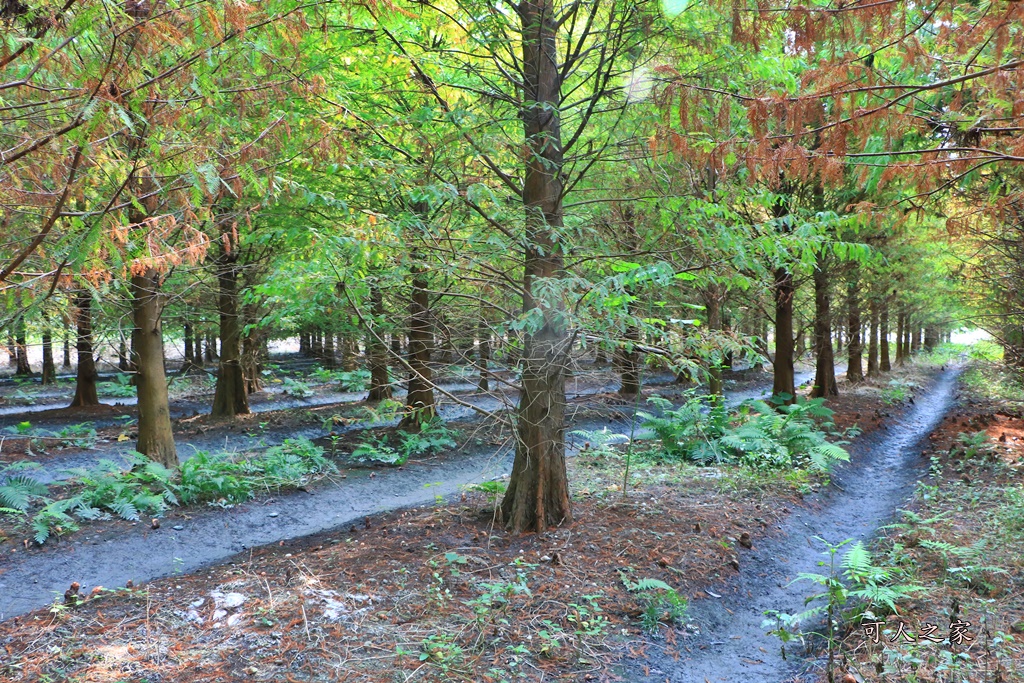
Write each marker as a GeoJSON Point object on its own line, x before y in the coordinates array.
{"type": "Point", "coordinates": [404, 595]}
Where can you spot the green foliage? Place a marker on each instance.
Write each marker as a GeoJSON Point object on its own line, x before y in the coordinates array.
{"type": "Point", "coordinates": [433, 437]}
{"type": "Point", "coordinates": [759, 436]}
{"type": "Point", "coordinates": [19, 490]}
{"type": "Point", "coordinates": [119, 387]}
{"type": "Point", "coordinates": [897, 391]}
{"type": "Point", "coordinates": [350, 380]}
{"type": "Point", "coordinates": [659, 602]}
{"type": "Point", "coordinates": [145, 489]}
{"type": "Point", "coordinates": [296, 388]}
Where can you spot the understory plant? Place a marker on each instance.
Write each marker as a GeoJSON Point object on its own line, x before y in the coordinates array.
{"type": "Point", "coordinates": [433, 437]}
{"type": "Point", "coordinates": [758, 435]}
{"type": "Point", "coordinates": [148, 488]}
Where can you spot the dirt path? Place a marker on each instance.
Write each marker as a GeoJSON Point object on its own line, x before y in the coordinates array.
{"type": "Point", "coordinates": [112, 557]}
{"type": "Point", "coordinates": [732, 645]}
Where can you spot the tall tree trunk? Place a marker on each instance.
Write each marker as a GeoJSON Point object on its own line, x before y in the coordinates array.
{"type": "Point", "coordinates": [66, 360]}
{"type": "Point", "coordinates": [873, 339]}
{"type": "Point", "coordinates": [376, 349]}
{"type": "Point", "coordinates": [825, 365]}
{"type": "Point", "coordinates": [538, 491]}
{"type": "Point", "coordinates": [211, 347]}
{"type": "Point", "coordinates": [785, 378]}
{"type": "Point", "coordinates": [854, 345]}
{"type": "Point", "coordinates": [122, 354]}
{"type": "Point", "coordinates": [900, 323]}
{"type": "Point", "coordinates": [420, 405]}
{"type": "Point", "coordinates": [883, 338]}
{"type": "Point", "coordinates": [915, 338]}
{"type": "Point", "coordinates": [304, 343]}
{"type": "Point", "coordinates": [156, 440]}
{"type": "Point", "coordinates": [483, 356]}
{"type": "Point", "coordinates": [254, 353]}
{"type": "Point", "coordinates": [49, 370]}
{"type": "Point", "coordinates": [230, 397]}
{"type": "Point", "coordinates": [21, 341]}
{"type": "Point", "coordinates": [329, 361]}
{"type": "Point", "coordinates": [713, 296]}
{"type": "Point", "coordinates": [190, 348]}
{"type": "Point", "coordinates": [931, 337]}
{"type": "Point", "coordinates": [85, 379]}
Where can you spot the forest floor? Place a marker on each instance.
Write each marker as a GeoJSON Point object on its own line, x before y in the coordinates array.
{"type": "Point", "coordinates": [439, 592]}
{"type": "Point", "coordinates": [960, 542]}
{"type": "Point", "coordinates": [112, 551]}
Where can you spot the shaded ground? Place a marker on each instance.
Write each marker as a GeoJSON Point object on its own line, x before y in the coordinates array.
{"type": "Point", "coordinates": [730, 643]}
{"type": "Point", "coordinates": [960, 540]}
{"type": "Point", "coordinates": [437, 592]}
{"type": "Point", "coordinates": [110, 553]}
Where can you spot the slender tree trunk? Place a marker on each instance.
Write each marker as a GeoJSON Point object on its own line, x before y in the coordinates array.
{"type": "Point", "coordinates": [376, 349]}
{"type": "Point", "coordinates": [931, 338]}
{"type": "Point", "coordinates": [900, 322]}
{"type": "Point", "coordinates": [873, 340]}
{"type": "Point", "coordinates": [211, 347]}
{"type": "Point", "coordinates": [915, 339]}
{"type": "Point", "coordinates": [713, 296]}
{"type": "Point", "coordinates": [254, 353]}
{"type": "Point", "coordinates": [85, 380]}
{"type": "Point", "coordinates": [420, 403]}
{"type": "Point", "coordinates": [190, 348]}
{"type": "Point", "coordinates": [230, 397]}
{"type": "Point", "coordinates": [785, 377]}
{"type": "Point", "coordinates": [538, 491]}
{"type": "Point", "coordinates": [483, 356]}
{"type": "Point", "coordinates": [156, 440]}
{"type": "Point", "coordinates": [49, 370]}
{"type": "Point", "coordinates": [329, 361]}
{"type": "Point", "coordinates": [122, 354]}
{"type": "Point", "coordinates": [883, 338]}
{"type": "Point", "coordinates": [304, 343]}
{"type": "Point", "coordinates": [66, 360]}
{"type": "Point", "coordinates": [825, 366]}
{"type": "Point", "coordinates": [854, 345]}
{"type": "Point", "coordinates": [21, 341]}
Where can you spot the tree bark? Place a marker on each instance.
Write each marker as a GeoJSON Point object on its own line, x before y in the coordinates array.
{"type": "Point", "coordinates": [883, 338]}
{"type": "Point", "coordinates": [85, 379]}
{"type": "Point", "coordinates": [483, 356]}
{"type": "Point", "coordinates": [784, 384]}
{"type": "Point", "coordinates": [376, 349]}
{"type": "Point", "coordinates": [420, 405]}
{"type": "Point", "coordinates": [931, 337]}
{"type": "Point", "coordinates": [49, 370]}
{"type": "Point", "coordinates": [825, 365]}
{"type": "Point", "coordinates": [156, 440]}
{"type": "Point", "coordinates": [21, 343]}
{"type": "Point", "coordinates": [900, 324]}
{"type": "Point", "coordinates": [713, 296]}
{"type": "Point", "coordinates": [873, 339]}
{"type": "Point", "coordinates": [854, 344]}
{"type": "Point", "coordinates": [230, 397]}
{"type": "Point", "coordinates": [538, 491]}
{"type": "Point", "coordinates": [915, 338]}
{"type": "Point", "coordinates": [66, 360]}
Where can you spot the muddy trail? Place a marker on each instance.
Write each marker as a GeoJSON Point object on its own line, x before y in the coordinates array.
{"type": "Point", "coordinates": [731, 645]}
{"type": "Point", "coordinates": [189, 539]}
{"type": "Point", "coordinates": [276, 425]}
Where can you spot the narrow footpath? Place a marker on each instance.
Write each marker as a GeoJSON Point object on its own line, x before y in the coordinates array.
{"type": "Point", "coordinates": [732, 646]}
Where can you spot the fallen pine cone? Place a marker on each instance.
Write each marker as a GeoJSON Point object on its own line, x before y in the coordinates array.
{"type": "Point", "coordinates": [71, 596]}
